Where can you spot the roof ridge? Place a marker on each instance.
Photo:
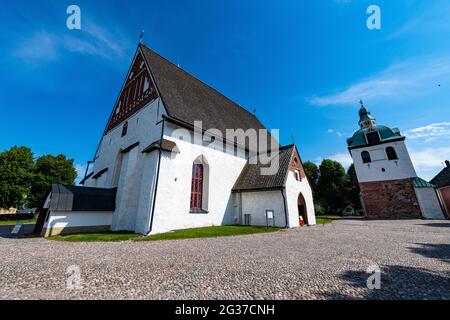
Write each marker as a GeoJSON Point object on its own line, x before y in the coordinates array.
{"type": "Point", "coordinates": [201, 81]}
{"type": "Point", "coordinates": [442, 178]}
{"type": "Point", "coordinates": [287, 146]}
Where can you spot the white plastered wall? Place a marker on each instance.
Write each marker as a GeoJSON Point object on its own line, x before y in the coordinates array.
{"type": "Point", "coordinates": [257, 203]}
{"type": "Point", "coordinates": [58, 219]}
{"type": "Point", "coordinates": [172, 209]}
{"type": "Point", "coordinates": [429, 203]}
{"type": "Point", "coordinates": [137, 175]}
{"type": "Point", "coordinates": [142, 128]}
{"type": "Point", "coordinates": [393, 169]}
{"type": "Point", "coordinates": [128, 192]}
{"type": "Point", "coordinates": [293, 189]}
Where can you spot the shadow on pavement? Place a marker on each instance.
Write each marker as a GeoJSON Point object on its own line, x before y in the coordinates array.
{"type": "Point", "coordinates": [25, 231]}
{"type": "Point", "coordinates": [435, 251]}
{"type": "Point", "coordinates": [438, 225]}
{"type": "Point", "coordinates": [397, 282]}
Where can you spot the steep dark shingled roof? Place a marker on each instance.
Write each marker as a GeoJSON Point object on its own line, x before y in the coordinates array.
{"type": "Point", "coordinates": [188, 99]}
{"type": "Point", "coordinates": [251, 178]}
{"type": "Point", "coordinates": [73, 198]}
{"type": "Point", "coordinates": [443, 177]}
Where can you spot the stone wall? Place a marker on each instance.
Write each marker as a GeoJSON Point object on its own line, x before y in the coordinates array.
{"type": "Point", "coordinates": [394, 199]}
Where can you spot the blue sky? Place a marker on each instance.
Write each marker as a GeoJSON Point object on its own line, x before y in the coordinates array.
{"type": "Point", "coordinates": [303, 65]}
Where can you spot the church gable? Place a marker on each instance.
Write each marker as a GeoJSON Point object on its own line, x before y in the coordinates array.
{"type": "Point", "coordinates": [296, 166]}
{"type": "Point", "coordinates": [138, 91]}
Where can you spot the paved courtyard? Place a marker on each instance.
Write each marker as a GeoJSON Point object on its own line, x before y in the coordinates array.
{"type": "Point", "coordinates": [320, 262]}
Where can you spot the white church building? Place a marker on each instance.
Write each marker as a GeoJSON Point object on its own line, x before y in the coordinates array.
{"type": "Point", "coordinates": [166, 162]}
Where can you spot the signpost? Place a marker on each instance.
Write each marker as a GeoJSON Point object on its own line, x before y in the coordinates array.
{"type": "Point", "coordinates": [269, 218]}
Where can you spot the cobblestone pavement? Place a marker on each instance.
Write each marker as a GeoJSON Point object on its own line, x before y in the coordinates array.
{"type": "Point", "coordinates": [320, 262]}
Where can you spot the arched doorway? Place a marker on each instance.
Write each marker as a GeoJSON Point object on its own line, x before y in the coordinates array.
{"type": "Point", "coordinates": [302, 211]}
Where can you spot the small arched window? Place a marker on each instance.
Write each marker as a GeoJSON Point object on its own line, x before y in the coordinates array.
{"type": "Point", "coordinates": [391, 154]}
{"type": "Point", "coordinates": [365, 155]}
{"type": "Point", "coordinates": [125, 129]}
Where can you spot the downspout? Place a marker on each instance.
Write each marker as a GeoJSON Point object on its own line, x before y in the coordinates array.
{"type": "Point", "coordinates": [157, 174]}
{"type": "Point", "coordinates": [238, 194]}
{"type": "Point", "coordinates": [240, 208]}
{"type": "Point", "coordinates": [285, 209]}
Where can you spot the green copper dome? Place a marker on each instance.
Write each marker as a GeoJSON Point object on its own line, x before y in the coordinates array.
{"type": "Point", "coordinates": [386, 134]}
{"type": "Point", "coordinates": [365, 118]}
{"type": "Point", "coordinates": [371, 133]}
{"type": "Point", "coordinates": [364, 114]}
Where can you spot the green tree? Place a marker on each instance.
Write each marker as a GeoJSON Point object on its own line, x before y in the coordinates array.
{"type": "Point", "coordinates": [50, 169]}
{"type": "Point", "coordinates": [16, 166]}
{"type": "Point", "coordinates": [331, 186]}
{"type": "Point", "coordinates": [352, 188]}
{"type": "Point", "coordinates": [312, 172]}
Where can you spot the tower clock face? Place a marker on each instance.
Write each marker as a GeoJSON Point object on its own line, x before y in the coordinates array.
{"type": "Point", "coordinates": [138, 91]}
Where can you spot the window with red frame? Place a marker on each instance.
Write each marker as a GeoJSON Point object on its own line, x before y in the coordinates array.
{"type": "Point", "coordinates": [197, 187]}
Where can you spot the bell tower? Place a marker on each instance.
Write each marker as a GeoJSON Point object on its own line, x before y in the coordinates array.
{"type": "Point", "coordinates": [386, 175]}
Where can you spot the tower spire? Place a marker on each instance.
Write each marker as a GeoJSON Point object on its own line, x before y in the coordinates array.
{"type": "Point", "coordinates": [365, 118]}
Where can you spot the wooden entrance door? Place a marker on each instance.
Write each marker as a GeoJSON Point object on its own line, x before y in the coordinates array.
{"type": "Point", "coordinates": [302, 211]}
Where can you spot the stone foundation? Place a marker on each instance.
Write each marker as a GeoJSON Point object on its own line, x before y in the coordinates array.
{"type": "Point", "coordinates": [395, 199]}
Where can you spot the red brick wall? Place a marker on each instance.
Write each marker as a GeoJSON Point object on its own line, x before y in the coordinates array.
{"type": "Point", "coordinates": [297, 165]}
{"type": "Point", "coordinates": [445, 196]}
{"type": "Point", "coordinates": [394, 199]}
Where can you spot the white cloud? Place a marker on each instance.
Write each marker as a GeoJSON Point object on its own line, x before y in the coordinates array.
{"type": "Point", "coordinates": [332, 131]}
{"type": "Point", "coordinates": [90, 40]}
{"type": "Point", "coordinates": [432, 19]}
{"type": "Point", "coordinates": [430, 131]}
{"type": "Point", "coordinates": [399, 82]}
{"type": "Point", "coordinates": [41, 46]}
{"type": "Point", "coordinates": [429, 162]}
{"type": "Point", "coordinates": [343, 158]}
{"type": "Point", "coordinates": [97, 41]}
